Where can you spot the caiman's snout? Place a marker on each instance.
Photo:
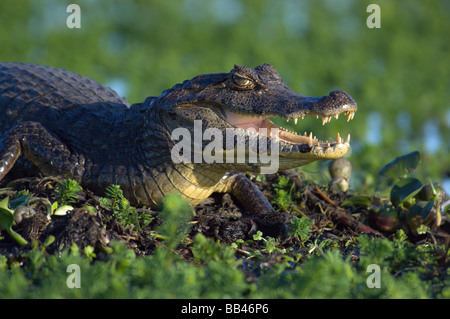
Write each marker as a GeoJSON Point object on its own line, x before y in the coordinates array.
{"type": "Point", "coordinates": [338, 102]}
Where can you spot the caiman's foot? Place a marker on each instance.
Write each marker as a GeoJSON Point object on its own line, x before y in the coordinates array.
{"type": "Point", "coordinates": [261, 212]}
{"type": "Point", "coordinates": [246, 192]}
{"type": "Point", "coordinates": [272, 224]}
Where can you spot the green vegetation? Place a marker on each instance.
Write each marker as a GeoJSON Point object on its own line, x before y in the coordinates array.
{"type": "Point", "coordinates": [66, 193]}
{"type": "Point", "coordinates": [122, 211]}
{"type": "Point", "coordinates": [214, 271]}
{"type": "Point", "coordinates": [411, 202]}
{"type": "Point", "coordinates": [7, 220]}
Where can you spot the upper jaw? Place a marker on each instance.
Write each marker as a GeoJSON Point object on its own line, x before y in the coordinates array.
{"type": "Point", "coordinates": [294, 106]}
{"type": "Point", "coordinates": [260, 124]}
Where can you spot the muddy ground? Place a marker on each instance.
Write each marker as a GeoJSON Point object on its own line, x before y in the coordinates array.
{"type": "Point", "coordinates": [220, 217]}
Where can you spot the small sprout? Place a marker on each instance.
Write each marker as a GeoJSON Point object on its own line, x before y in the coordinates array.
{"type": "Point", "coordinates": [89, 252]}
{"type": "Point", "coordinates": [400, 235]}
{"type": "Point", "coordinates": [67, 190]}
{"type": "Point", "coordinates": [270, 245]}
{"type": "Point", "coordinates": [284, 189]}
{"type": "Point", "coordinates": [122, 210]}
{"type": "Point", "coordinates": [258, 235]}
{"type": "Point", "coordinates": [49, 240]}
{"type": "Point", "coordinates": [300, 228]}
{"type": "Point", "coordinates": [340, 170]}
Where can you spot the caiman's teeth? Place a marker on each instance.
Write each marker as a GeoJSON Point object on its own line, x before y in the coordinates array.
{"type": "Point", "coordinates": [350, 116]}
{"type": "Point", "coordinates": [324, 120]}
{"type": "Point", "coordinates": [336, 116]}
{"type": "Point", "coordinates": [338, 139]}
{"type": "Point", "coordinates": [348, 139]}
{"type": "Point", "coordinates": [303, 116]}
{"type": "Point", "coordinates": [287, 120]}
{"type": "Point", "coordinates": [295, 120]}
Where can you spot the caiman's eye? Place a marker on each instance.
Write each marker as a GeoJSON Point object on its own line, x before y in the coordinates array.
{"type": "Point", "coordinates": [242, 82]}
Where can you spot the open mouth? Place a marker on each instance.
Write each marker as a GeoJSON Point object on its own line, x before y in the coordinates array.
{"type": "Point", "coordinates": [263, 126]}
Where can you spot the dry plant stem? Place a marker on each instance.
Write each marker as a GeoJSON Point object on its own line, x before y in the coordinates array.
{"type": "Point", "coordinates": [344, 218]}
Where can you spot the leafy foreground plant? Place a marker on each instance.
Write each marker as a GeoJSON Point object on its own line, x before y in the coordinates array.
{"type": "Point", "coordinates": [412, 205]}
{"type": "Point", "coordinates": [214, 271]}
{"type": "Point", "coordinates": [214, 274]}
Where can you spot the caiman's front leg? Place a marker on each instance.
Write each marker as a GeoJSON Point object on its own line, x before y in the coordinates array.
{"type": "Point", "coordinates": [41, 147]}
{"type": "Point", "coordinates": [248, 194]}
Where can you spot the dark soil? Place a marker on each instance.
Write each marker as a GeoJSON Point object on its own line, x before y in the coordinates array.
{"type": "Point", "coordinates": [220, 217]}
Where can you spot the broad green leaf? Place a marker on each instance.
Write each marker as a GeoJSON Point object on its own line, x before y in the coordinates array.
{"type": "Point", "coordinates": [401, 165]}
{"type": "Point", "coordinates": [4, 204]}
{"type": "Point", "coordinates": [7, 220]}
{"type": "Point", "coordinates": [405, 189]}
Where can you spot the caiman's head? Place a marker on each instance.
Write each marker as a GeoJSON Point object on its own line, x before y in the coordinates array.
{"type": "Point", "coordinates": [244, 99]}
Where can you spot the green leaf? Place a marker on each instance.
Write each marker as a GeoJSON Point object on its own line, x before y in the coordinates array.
{"type": "Point", "coordinates": [49, 240]}
{"type": "Point", "coordinates": [404, 190]}
{"type": "Point", "coordinates": [91, 209]}
{"type": "Point", "coordinates": [7, 220]}
{"type": "Point", "coordinates": [401, 165]}
{"type": "Point", "coordinates": [419, 214]}
{"type": "Point", "coordinates": [63, 210]}
{"type": "Point", "coordinates": [300, 227]}
{"type": "Point", "coordinates": [66, 192]}
{"type": "Point", "coordinates": [429, 192]}
{"type": "Point", "coordinates": [358, 201]}
{"type": "Point", "coordinates": [4, 204]}
{"type": "Point", "coordinates": [20, 201]}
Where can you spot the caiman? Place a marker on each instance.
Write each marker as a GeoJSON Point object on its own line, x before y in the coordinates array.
{"type": "Point", "coordinates": [70, 126]}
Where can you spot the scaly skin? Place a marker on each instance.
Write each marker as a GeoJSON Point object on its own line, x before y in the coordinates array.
{"type": "Point", "coordinates": [71, 126]}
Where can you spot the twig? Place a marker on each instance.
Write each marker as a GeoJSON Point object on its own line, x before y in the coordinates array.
{"type": "Point", "coordinates": [325, 197]}
{"type": "Point", "coordinates": [342, 216]}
